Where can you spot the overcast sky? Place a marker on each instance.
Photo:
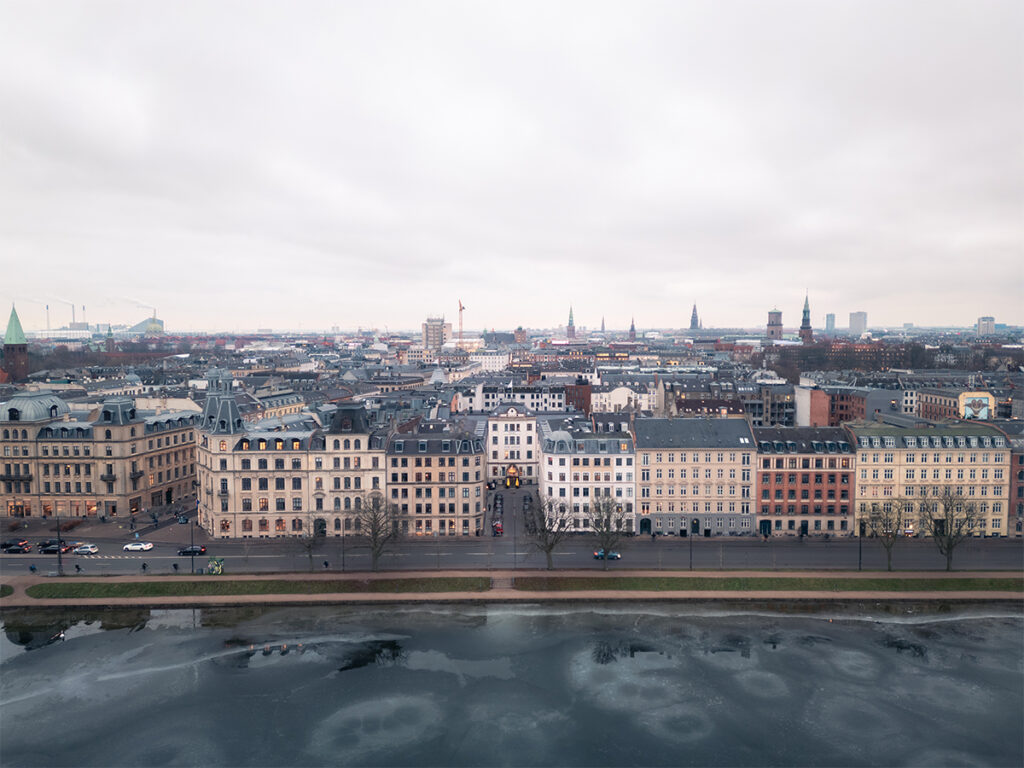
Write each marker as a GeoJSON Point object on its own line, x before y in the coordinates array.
{"type": "Point", "coordinates": [297, 164]}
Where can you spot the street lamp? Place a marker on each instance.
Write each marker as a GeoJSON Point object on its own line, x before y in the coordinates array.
{"type": "Point", "coordinates": [60, 556]}
{"type": "Point", "coordinates": [690, 537]}
{"type": "Point", "coordinates": [860, 545]}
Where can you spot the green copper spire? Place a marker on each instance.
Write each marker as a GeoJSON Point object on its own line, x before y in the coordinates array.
{"type": "Point", "coordinates": [14, 335]}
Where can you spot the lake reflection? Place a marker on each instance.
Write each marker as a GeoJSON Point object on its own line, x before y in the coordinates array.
{"type": "Point", "coordinates": [509, 685]}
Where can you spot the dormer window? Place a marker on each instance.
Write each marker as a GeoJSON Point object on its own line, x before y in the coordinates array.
{"type": "Point", "coordinates": [106, 416]}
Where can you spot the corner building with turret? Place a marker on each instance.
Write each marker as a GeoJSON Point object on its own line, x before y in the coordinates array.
{"type": "Point", "coordinates": [306, 474]}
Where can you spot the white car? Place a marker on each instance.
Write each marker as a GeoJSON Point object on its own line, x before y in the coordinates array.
{"type": "Point", "coordinates": [138, 546]}
{"type": "Point", "coordinates": [86, 549]}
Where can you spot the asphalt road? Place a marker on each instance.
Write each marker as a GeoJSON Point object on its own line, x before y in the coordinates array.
{"type": "Point", "coordinates": [512, 550]}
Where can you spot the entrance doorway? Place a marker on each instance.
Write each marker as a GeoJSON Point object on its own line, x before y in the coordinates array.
{"type": "Point", "coordinates": [645, 526]}
{"type": "Point", "coordinates": [695, 526]}
{"type": "Point", "coordinates": [766, 527]}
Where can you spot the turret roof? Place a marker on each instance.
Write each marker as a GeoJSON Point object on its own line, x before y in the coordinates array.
{"type": "Point", "coordinates": [14, 335]}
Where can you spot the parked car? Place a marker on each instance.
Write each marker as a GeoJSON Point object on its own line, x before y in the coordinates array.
{"type": "Point", "coordinates": [497, 529]}
{"type": "Point", "coordinates": [195, 549]}
{"type": "Point", "coordinates": [11, 543]}
{"type": "Point", "coordinates": [138, 546]}
{"type": "Point", "coordinates": [613, 555]}
{"type": "Point", "coordinates": [182, 520]}
{"type": "Point", "coordinates": [86, 549]}
{"type": "Point", "coordinates": [18, 549]}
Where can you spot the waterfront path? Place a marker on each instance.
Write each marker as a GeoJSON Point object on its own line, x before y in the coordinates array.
{"type": "Point", "coordinates": [502, 588]}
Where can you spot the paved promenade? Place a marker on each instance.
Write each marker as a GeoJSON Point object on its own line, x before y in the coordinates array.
{"type": "Point", "coordinates": [502, 589]}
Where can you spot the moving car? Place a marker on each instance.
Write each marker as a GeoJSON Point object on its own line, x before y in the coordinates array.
{"type": "Point", "coordinates": [18, 549]}
{"type": "Point", "coordinates": [138, 546]}
{"type": "Point", "coordinates": [53, 548]}
{"type": "Point", "coordinates": [195, 549]}
{"type": "Point", "coordinates": [86, 549]}
{"type": "Point", "coordinates": [613, 555]}
{"type": "Point", "coordinates": [12, 543]}
{"type": "Point", "coordinates": [497, 529]}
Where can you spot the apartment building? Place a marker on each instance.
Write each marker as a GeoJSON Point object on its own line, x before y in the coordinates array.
{"type": "Point", "coordinates": [805, 481]}
{"type": "Point", "coordinates": [435, 477]}
{"type": "Point", "coordinates": [110, 461]}
{"type": "Point", "coordinates": [310, 479]}
{"type": "Point", "coordinates": [696, 476]}
{"type": "Point", "coordinates": [920, 462]}
{"type": "Point", "coordinates": [580, 465]}
{"type": "Point", "coordinates": [512, 449]}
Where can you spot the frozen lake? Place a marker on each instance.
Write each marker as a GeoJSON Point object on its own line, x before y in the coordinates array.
{"type": "Point", "coordinates": [606, 685]}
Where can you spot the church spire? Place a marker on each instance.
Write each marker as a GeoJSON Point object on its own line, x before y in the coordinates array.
{"type": "Point", "coordinates": [694, 321]}
{"type": "Point", "coordinates": [15, 334]}
{"type": "Point", "coordinates": [570, 330]}
{"type": "Point", "coordinates": [806, 333]}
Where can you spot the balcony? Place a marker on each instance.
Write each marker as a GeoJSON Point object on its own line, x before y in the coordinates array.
{"type": "Point", "coordinates": [13, 478]}
{"type": "Point", "coordinates": [223, 493]}
{"type": "Point", "coordinates": [107, 478]}
{"type": "Point", "coordinates": [136, 474]}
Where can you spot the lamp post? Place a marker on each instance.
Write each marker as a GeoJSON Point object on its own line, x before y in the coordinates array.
{"type": "Point", "coordinates": [691, 547]}
{"type": "Point", "coordinates": [515, 535]}
{"type": "Point", "coordinates": [860, 546]}
{"type": "Point", "coordinates": [60, 556]}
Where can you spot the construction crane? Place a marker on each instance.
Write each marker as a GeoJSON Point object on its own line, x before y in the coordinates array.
{"type": "Point", "coordinates": [461, 308]}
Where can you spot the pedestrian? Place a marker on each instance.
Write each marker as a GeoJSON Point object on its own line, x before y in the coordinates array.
{"type": "Point", "coordinates": [32, 568]}
{"type": "Point", "coordinates": [175, 567]}
{"type": "Point", "coordinates": [653, 537]}
{"type": "Point", "coordinates": [78, 568]}
{"type": "Point", "coordinates": [144, 566]}
{"type": "Point", "coordinates": [326, 565]}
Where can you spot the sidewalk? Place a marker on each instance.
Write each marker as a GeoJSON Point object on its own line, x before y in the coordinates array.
{"type": "Point", "coordinates": [502, 591]}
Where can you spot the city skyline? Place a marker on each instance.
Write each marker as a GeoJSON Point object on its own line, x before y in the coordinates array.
{"type": "Point", "coordinates": [382, 164]}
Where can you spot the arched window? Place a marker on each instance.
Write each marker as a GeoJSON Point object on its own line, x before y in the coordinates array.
{"type": "Point", "coordinates": [337, 502]}
{"type": "Point", "coordinates": [337, 444]}
{"type": "Point", "coordinates": [223, 445]}
{"type": "Point", "coordinates": [356, 445]}
{"type": "Point", "coordinates": [278, 444]}
{"type": "Point", "coordinates": [133, 431]}
{"type": "Point", "coordinates": [337, 523]}
{"type": "Point", "coordinates": [347, 444]}
{"type": "Point", "coordinates": [359, 503]}
{"type": "Point", "coordinates": [348, 503]}
{"type": "Point", "coordinates": [7, 434]}
{"type": "Point", "coordinates": [295, 445]}
{"type": "Point", "coordinates": [107, 435]}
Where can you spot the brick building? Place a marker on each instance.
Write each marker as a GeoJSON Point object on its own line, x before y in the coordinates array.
{"type": "Point", "coordinates": [805, 481]}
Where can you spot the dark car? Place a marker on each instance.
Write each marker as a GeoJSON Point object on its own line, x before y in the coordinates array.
{"type": "Point", "coordinates": [18, 549]}
{"type": "Point", "coordinates": [11, 543]}
{"type": "Point", "coordinates": [195, 549]}
{"type": "Point", "coordinates": [182, 520]}
{"type": "Point", "coordinates": [53, 548]}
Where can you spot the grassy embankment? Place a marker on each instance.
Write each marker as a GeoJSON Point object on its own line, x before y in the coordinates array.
{"type": "Point", "coordinates": [209, 587]}
{"type": "Point", "coordinates": [5, 590]}
{"type": "Point", "coordinates": [766, 584]}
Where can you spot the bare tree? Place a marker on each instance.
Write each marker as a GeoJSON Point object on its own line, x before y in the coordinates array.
{"type": "Point", "coordinates": [948, 521]}
{"type": "Point", "coordinates": [886, 523]}
{"type": "Point", "coordinates": [310, 542]}
{"type": "Point", "coordinates": [547, 525]}
{"type": "Point", "coordinates": [608, 523]}
{"type": "Point", "coordinates": [377, 520]}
